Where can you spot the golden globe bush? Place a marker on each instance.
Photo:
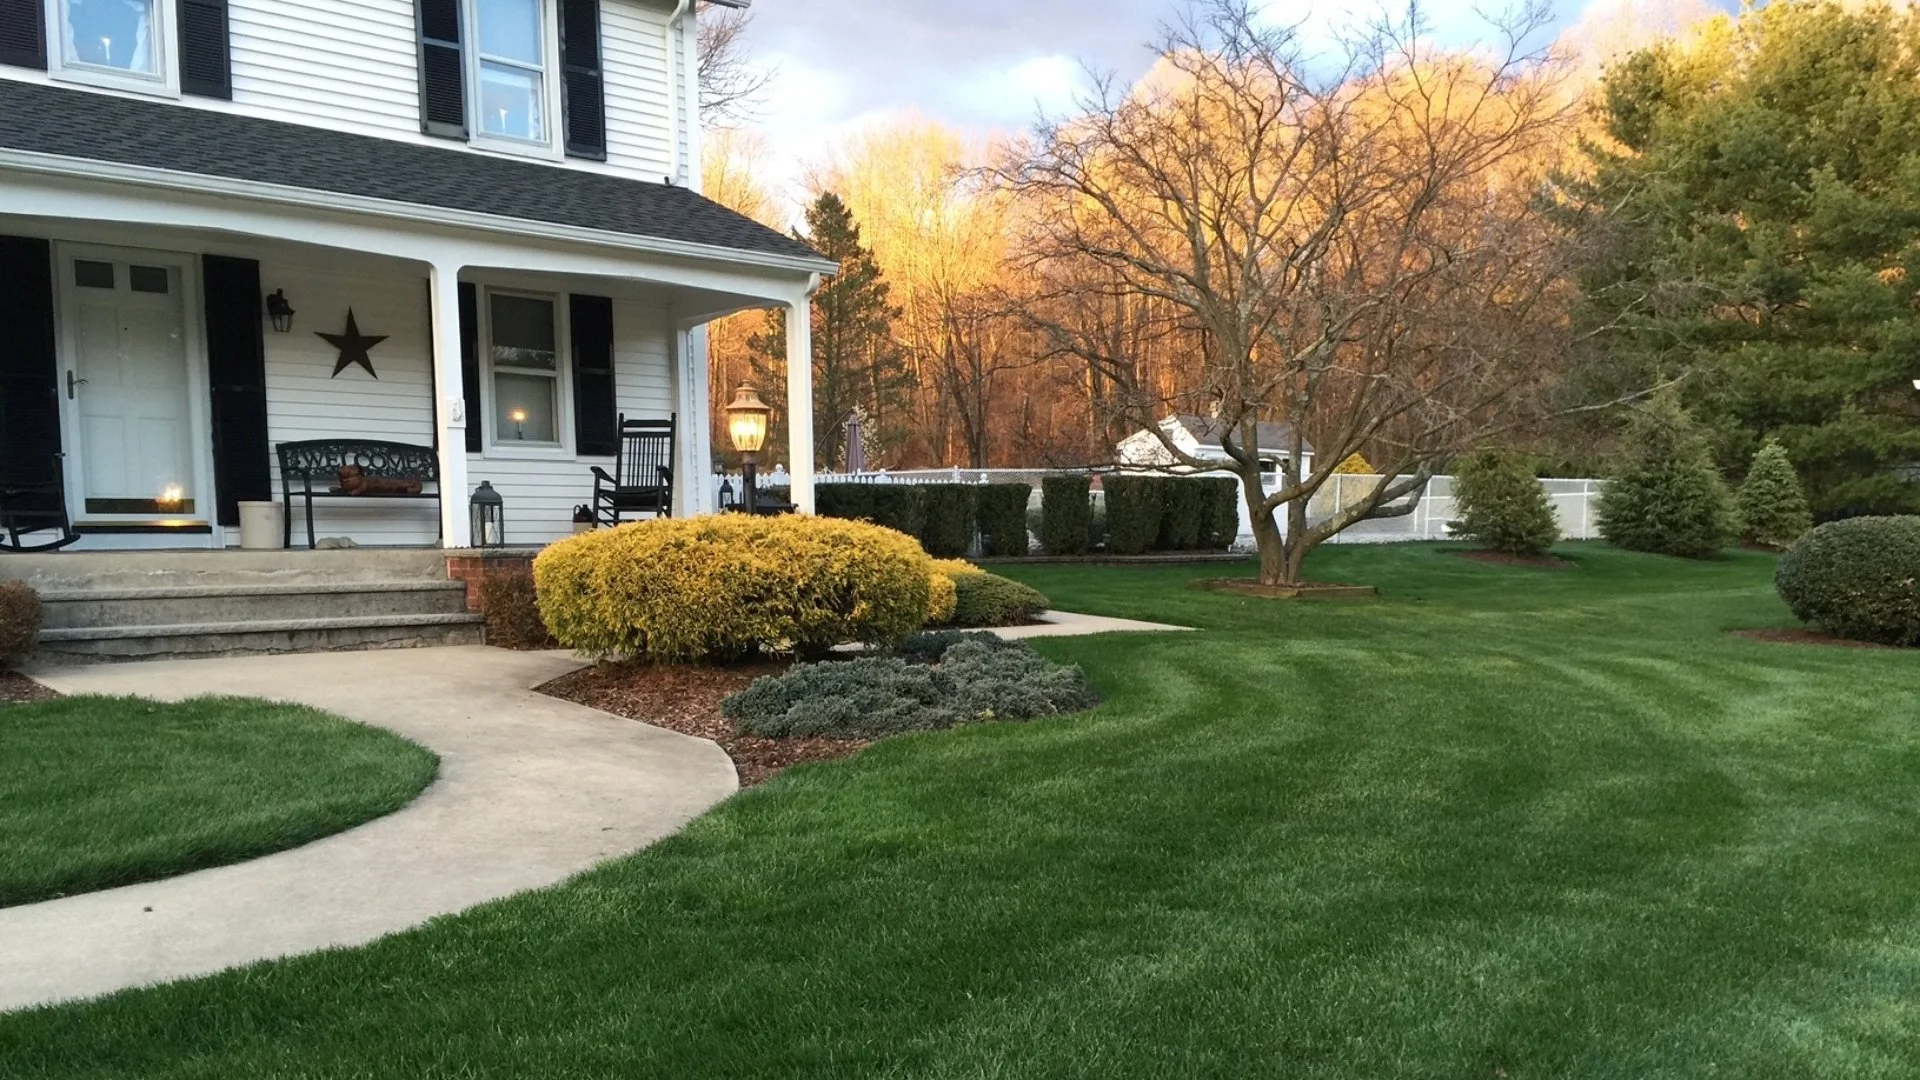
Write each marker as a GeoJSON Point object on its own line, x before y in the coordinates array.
{"type": "Point", "coordinates": [730, 586]}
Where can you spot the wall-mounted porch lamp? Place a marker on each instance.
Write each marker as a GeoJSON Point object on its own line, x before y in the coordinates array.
{"type": "Point", "coordinates": [747, 426]}
{"type": "Point", "coordinates": [280, 311]}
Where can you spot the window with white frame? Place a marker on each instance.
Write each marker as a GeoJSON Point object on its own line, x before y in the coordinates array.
{"type": "Point", "coordinates": [523, 361]}
{"type": "Point", "coordinates": [111, 40]}
{"type": "Point", "coordinates": [509, 73]}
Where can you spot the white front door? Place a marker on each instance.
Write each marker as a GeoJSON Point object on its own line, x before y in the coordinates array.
{"type": "Point", "coordinates": [134, 431]}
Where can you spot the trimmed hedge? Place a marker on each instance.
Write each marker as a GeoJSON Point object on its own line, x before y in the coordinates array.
{"type": "Point", "coordinates": [875, 697]}
{"type": "Point", "coordinates": [1134, 505]}
{"type": "Point", "coordinates": [899, 507]}
{"type": "Point", "coordinates": [1219, 511]}
{"type": "Point", "coordinates": [948, 531]}
{"type": "Point", "coordinates": [1002, 513]}
{"type": "Point", "coordinates": [1066, 514]}
{"type": "Point", "coordinates": [990, 600]}
{"type": "Point", "coordinates": [1858, 578]}
{"type": "Point", "coordinates": [20, 615]}
{"type": "Point", "coordinates": [1181, 508]}
{"type": "Point", "coordinates": [512, 610]}
{"type": "Point", "coordinates": [731, 585]}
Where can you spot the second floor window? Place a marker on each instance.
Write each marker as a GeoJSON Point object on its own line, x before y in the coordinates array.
{"type": "Point", "coordinates": [510, 70]}
{"type": "Point", "coordinates": [112, 37]}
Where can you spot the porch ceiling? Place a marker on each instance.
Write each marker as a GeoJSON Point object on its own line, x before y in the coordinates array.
{"type": "Point", "coordinates": [99, 127]}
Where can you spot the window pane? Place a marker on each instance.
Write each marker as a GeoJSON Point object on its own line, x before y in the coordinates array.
{"type": "Point", "coordinates": [93, 275]}
{"type": "Point", "coordinates": [510, 30]}
{"type": "Point", "coordinates": [510, 102]}
{"type": "Point", "coordinates": [111, 33]}
{"type": "Point", "coordinates": [153, 279]}
{"type": "Point", "coordinates": [523, 333]}
{"type": "Point", "coordinates": [523, 408]}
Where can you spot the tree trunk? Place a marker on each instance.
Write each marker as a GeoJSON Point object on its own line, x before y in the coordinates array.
{"type": "Point", "coordinates": [1267, 540]}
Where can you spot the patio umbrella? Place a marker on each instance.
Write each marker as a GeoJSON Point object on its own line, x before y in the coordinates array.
{"type": "Point", "coordinates": [856, 446]}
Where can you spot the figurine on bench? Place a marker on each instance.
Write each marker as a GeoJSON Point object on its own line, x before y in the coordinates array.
{"type": "Point", "coordinates": [355, 481]}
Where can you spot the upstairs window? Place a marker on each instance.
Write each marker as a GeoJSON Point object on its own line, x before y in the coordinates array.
{"type": "Point", "coordinates": [510, 70]}
{"type": "Point", "coordinates": [111, 41]}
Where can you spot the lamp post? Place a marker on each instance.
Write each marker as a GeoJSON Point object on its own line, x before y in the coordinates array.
{"type": "Point", "coordinates": [747, 426]}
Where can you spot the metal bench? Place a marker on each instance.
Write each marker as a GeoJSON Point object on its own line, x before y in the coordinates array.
{"type": "Point", "coordinates": [319, 461]}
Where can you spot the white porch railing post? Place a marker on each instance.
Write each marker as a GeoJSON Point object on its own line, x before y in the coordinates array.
{"type": "Point", "coordinates": [800, 401]}
{"type": "Point", "coordinates": [450, 417]}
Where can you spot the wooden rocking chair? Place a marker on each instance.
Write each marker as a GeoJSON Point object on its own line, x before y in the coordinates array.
{"type": "Point", "coordinates": [31, 508]}
{"type": "Point", "coordinates": [642, 478]}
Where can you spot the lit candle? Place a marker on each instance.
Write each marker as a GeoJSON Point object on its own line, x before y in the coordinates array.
{"type": "Point", "coordinates": [519, 417]}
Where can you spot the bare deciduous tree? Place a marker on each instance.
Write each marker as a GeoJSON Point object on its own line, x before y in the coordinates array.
{"type": "Point", "coordinates": [731, 84]}
{"type": "Point", "coordinates": [1361, 248]}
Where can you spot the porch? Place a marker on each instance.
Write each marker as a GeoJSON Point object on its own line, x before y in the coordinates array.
{"type": "Point", "coordinates": [504, 329]}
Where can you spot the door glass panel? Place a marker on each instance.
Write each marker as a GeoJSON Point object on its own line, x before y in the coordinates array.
{"type": "Point", "coordinates": [523, 407]}
{"type": "Point", "coordinates": [149, 279]}
{"type": "Point", "coordinates": [115, 34]}
{"type": "Point", "coordinates": [93, 275]}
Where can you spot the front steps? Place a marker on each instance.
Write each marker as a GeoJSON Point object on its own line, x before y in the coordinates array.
{"type": "Point", "coordinates": [107, 606]}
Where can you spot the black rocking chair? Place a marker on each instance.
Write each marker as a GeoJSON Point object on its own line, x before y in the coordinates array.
{"type": "Point", "coordinates": [642, 479]}
{"type": "Point", "coordinates": [31, 507]}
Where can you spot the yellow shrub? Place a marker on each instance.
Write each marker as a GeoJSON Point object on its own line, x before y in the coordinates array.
{"type": "Point", "coordinates": [729, 586]}
{"type": "Point", "coordinates": [1354, 465]}
{"type": "Point", "coordinates": [942, 597]}
{"type": "Point", "coordinates": [953, 568]}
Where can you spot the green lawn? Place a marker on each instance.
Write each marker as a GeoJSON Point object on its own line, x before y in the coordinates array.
{"type": "Point", "coordinates": [1499, 823]}
{"type": "Point", "coordinates": [97, 792]}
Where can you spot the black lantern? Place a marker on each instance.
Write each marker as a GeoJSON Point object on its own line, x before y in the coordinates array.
{"type": "Point", "coordinates": [280, 311]}
{"type": "Point", "coordinates": [747, 425]}
{"type": "Point", "coordinates": [489, 519]}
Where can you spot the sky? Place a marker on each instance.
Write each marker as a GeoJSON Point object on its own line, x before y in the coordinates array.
{"type": "Point", "coordinates": [986, 65]}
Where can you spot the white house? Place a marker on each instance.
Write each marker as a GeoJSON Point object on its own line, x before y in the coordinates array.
{"type": "Point", "coordinates": [1200, 437]}
{"type": "Point", "coordinates": [492, 208]}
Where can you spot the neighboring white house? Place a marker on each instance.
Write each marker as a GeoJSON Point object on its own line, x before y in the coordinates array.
{"type": "Point", "coordinates": [1200, 437]}
{"type": "Point", "coordinates": [505, 193]}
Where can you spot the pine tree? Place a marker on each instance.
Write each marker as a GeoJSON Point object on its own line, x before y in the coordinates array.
{"type": "Point", "coordinates": [1502, 505]}
{"type": "Point", "coordinates": [1669, 499]}
{"type": "Point", "coordinates": [856, 361]}
{"type": "Point", "coordinates": [1772, 506]}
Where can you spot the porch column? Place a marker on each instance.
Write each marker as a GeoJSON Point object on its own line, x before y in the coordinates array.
{"type": "Point", "coordinates": [450, 405]}
{"type": "Point", "coordinates": [800, 401]}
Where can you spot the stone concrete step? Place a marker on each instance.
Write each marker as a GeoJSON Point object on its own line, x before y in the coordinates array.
{"type": "Point", "coordinates": [73, 571]}
{"type": "Point", "coordinates": [193, 604]}
{"type": "Point", "coordinates": [181, 640]}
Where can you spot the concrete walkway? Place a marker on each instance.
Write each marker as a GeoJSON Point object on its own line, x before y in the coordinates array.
{"type": "Point", "coordinates": [1068, 624]}
{"type": "Point", "coordinates": [531, 791]}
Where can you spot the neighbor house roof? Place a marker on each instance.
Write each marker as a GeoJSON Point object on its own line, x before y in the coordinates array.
{"type": "Point", "coordinates": [129, 131]}
{"type": "Point", "coordinates": [1272, 435]}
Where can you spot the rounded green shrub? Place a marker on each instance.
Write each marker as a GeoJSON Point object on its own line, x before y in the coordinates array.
{"type": "Point", "coordinates": [984, 599]}
{"type": "Point", "coordinates": [1002, 513]}
{"type": "Point", "coordinates": [1134, 506]}
{"type": "Point", "coordinates": [1668, 499]}
{"type": "Point", "coordinates": [732, 585]}
{"type": "Point", "coordinates": [1858, 579]}
{"type": "Point", "coordinates": [1066, 514]}
{"type": "Point", "coordinates": [1771, 505]}
{"type": "Point", "coordinates": [1502, 505]}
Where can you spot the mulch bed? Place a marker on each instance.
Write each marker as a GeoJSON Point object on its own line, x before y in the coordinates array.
{"type": "Point", "coordinates": [1502, 558]}
{"type": "Point", "coordinates": [1812, 637]}
{"type": "Point", "coordinates": [16, 689]}
{"type": "Point", "coordinates": [686, 699]}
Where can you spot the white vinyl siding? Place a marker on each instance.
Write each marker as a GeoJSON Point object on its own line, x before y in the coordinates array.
{"type": "Point", "coordinates": [540, 493]}
{"type": "Point", "coordinates": [306, 401]}
{"type": "Point", "coordinates": [353, 65]}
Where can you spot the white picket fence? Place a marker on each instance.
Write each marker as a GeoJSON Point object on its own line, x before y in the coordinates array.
{"type": "Point", "coordinates": [1573, 500]}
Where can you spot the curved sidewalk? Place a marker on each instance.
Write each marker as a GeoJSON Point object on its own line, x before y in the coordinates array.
{"type": "Point", "coordinates": [531, 790]}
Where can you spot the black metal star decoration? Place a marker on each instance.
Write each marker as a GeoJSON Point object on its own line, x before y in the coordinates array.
{"type": "Point", "coordinates": [353, 346]}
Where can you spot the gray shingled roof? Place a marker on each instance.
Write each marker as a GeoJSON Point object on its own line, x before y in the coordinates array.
{"type": "Point", "coordinates": [1273, 436]}
{"type": "Point", "coordinates": [130, 131]}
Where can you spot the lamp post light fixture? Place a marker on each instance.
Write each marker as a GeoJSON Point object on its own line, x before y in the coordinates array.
{"type": "Point", "coordinates": [489, 517]}
{"type": "Point", "coordinates": [280, 311]}
{"type": "Point", "coordinates": [747, 426]}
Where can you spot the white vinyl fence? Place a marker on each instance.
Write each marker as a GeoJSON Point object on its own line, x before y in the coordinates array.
{"type": "Point", "coordinates": [1573, 500]}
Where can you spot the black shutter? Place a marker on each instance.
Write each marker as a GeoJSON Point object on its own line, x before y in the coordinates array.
{"type": "Point", "coordinates": [443, 76]}
{"type": "Point", "coordinates": [237, 371]}
{"type": "Point", "coordinates": [596, 424]}
{"type": "Point", "coordinates": [29, 370]}
{"type": "Point", "coordinates": [583, 87]}
{"type": "Point", "coordinates": [206, 65]}
{"type": "Point", "coordinates": [23, 38]}
{"type": "Point", "coordinates": [470, 365]}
